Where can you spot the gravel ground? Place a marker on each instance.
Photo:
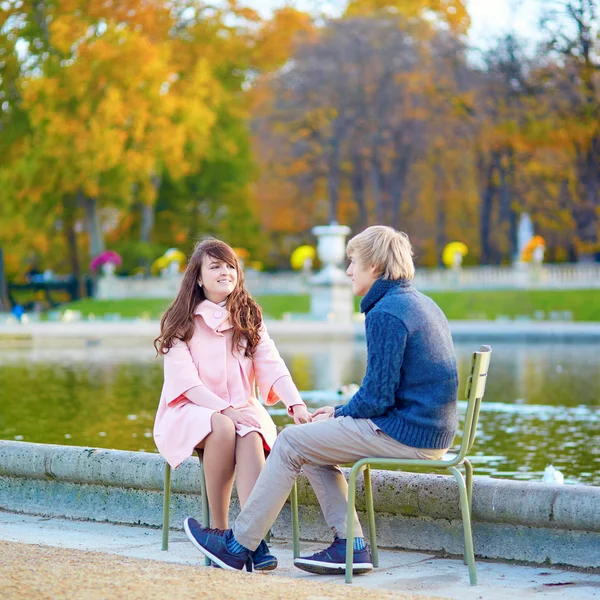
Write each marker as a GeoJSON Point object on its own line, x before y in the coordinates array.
{"type": "Point", "coordinates": [42, 572]}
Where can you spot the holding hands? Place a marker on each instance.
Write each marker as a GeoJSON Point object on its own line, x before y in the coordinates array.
{"type": "Point", "coordinates": [239, 418]}
{"type": "Point", "coordinates": [301, 414]}
{"type": "Point", "coordinates": [323, 413]}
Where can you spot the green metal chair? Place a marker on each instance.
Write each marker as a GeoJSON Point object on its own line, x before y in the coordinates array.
{"type": "Point", "coordinates": [475, 389]}
{"type": "Point", "coordinates": [206, 511]}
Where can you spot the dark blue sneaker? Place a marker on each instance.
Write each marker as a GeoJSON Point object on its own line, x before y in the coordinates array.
{"type": "Point", "coordinates": [262, 558]}
{"type": "Point", "coordinates": [332, 560]}
{"type": "Point", "coordinates": [213, 544]}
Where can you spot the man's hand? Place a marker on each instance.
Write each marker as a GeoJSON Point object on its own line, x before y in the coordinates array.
{"type": "Point", "coordinates": [323, 413]}
{"type": "Point", "coordinates": [239, 418]}
{"type": "Point", "coordinates": [301, 414]}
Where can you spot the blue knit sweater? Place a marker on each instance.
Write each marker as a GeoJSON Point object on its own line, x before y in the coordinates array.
{"type": "Point", "coordinates": [410, 385]}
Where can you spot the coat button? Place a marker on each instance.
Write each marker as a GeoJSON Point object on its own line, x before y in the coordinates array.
{"type": "Point", "coordinates": [217, 315]}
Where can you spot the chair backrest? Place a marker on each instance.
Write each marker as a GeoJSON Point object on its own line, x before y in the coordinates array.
{"type": "Point", "coordinates": [474, 390]}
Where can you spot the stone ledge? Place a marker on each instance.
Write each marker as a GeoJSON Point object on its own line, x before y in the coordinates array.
{"type": "Point", "coordinates": [511, 520]}
{"type": "Point", "coordinates": [138, 333]}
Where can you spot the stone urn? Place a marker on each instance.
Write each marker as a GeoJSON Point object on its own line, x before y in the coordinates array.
{"type": "Point", "coordinates": [331, 292]}
{"type": "Point", "coordinates": [331, 248]}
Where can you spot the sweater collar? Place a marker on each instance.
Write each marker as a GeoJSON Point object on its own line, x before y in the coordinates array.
{"type": "Point", "coordinates": [379, 289]}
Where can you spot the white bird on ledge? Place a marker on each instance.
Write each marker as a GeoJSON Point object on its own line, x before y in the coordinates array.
{"type": "Point", "coordinates": [553, 475]}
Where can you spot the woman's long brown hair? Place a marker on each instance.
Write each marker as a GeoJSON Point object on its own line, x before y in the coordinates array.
{"type": "Point", "coordinates": [245, 315]}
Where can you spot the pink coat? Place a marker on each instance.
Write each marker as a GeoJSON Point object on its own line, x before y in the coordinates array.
{"type": "Point", "coordinates": [207, 360]}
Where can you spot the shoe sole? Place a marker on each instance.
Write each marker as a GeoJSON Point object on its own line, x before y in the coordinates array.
{"type": "Point", "coordinates": [325, 568]}
{"type": "Point", "coordinates": [270, 566]}
{"type": "Point", "coordinates": [206, 553]}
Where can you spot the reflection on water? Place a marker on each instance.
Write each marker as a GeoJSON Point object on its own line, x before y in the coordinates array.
{"type": "Point", "coordinates": [542, 401]}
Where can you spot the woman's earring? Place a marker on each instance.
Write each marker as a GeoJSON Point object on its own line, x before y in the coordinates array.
{"type": "Point", "coordinates": [199, 284]}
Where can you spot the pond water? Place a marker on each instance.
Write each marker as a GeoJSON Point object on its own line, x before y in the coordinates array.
{"type": "Point", "coordinates": [542, 404]}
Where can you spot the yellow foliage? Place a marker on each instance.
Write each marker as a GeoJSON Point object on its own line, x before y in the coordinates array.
{"type": "Point", "coordinates": [452, 12]}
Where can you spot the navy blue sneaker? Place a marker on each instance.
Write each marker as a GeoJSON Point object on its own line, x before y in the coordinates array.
{"type": "Point", "coordinates": [262, 558]}
{"type": "Point", "coordinates": [213, 544]}
{"type": "Point", "coordinates": [332, 560]}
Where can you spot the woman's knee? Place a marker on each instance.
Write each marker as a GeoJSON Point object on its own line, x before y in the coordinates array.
{"type": "Point", "coordinates": [222, 428]}
{"type": "Point", "coordinates": [253, 438]}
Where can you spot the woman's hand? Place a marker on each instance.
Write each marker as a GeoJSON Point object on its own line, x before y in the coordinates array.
{"type": "Point", "coordinates": [301, 414]}
{"type": "Point", "coordinates": [240, 418]}
{"type": "Point", "coordinates": [323, 413]}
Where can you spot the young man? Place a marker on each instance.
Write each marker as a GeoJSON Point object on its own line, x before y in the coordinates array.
{"type": "Point", "coordinates": [405, 408]}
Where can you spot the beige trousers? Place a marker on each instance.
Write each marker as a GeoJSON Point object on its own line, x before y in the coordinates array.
{"type": "Point", "coordinates": [317, 449]}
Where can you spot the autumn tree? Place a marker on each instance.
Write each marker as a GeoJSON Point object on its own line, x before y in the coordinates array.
{"type": "Point", "coordinates": [572, 85]}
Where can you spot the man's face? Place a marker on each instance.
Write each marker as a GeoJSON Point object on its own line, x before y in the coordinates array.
{"type": "Point", "coordinates": [363, 276]}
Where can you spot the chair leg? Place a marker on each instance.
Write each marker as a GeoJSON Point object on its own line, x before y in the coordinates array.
{"type": "Point", "coordinates": [205, 507]}
{"type": "Point", "coordinates": [166, 506]}
{"type": "Point", "coordinates": [371, 515]}
{"type": "Point", "coordinates": [469, 478]}
{"type": "Point", "coordinates": [350, 523]}
{"type": "Point", "coordinates": [469, 474]}
{"type": "Point", "coordinates": [466, 517]}
{"type": "Point", "coordinates": [295, 524]}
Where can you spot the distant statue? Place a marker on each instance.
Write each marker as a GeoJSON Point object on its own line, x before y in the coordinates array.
{"type": "Point", "coordinates": [524, 234]}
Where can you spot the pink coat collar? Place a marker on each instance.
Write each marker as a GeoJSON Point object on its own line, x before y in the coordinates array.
{"type": "Point", "coordinates": [215, 316]}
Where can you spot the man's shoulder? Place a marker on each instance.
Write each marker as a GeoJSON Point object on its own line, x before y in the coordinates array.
{"type": "Point", "coordinates": [389, 312]}
{"type": "Point", "coordinates": [396, 303]}
{"type": "Point", "coordinates": [410, 307]}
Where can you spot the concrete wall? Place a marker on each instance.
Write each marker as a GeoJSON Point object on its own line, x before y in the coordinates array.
{"type": "Point", "coordinates": [511, 520]}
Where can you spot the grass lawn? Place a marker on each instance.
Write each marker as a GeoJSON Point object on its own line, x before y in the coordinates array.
{"type": "Point", "coordinates": [583, 304]}
{"type": "Point", "coordinates": [273, 306]}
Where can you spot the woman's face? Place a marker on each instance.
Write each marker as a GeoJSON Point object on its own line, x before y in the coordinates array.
{"type": "Point", "coordinates": [363, 276]}
{"type": "Point", "coordinates": [217, 278]}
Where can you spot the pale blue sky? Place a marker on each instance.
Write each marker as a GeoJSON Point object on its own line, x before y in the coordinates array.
{"type": "Point", "coordinates": [490, 18]}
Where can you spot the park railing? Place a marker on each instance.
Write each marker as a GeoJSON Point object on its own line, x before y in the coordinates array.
{"type": "Point", "coordinates": [564, 276]}
{"type": "Point", "coordinates": [524, 276]}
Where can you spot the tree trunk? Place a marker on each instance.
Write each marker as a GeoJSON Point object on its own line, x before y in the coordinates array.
{"type": "Point", "coordinates": [147, 210]}
{"type": "Point", "coordinates": [507, 213]}
{"type": "Point", "coordinates": [93, 226]}
{"type": "Point", "coordinates": [440, 222]}
{"type": "Point", "coordinates": [399, 177]}
{"type": "Point", "coordinates": [513, 223]}
{"type": "Point", "coordinates": [585, 212]}
{"type": "Point", "coordinates": [147, 222]}
{"type": "Point", "coordinates": [69, 203]}
{"type": "Point", "coordinates": [487, 199]}
{"type": "Point", "coordinates": [357, 183]}
{"type": "Point", "coordinates": [375, 177]}
{"type": "Point", "coordinates": [333, 178]}
{"type": "Point", "coordinates": [4, 301]}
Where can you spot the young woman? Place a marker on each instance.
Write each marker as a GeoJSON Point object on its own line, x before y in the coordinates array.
{"type": "Point", "coordinates": [215, 347]}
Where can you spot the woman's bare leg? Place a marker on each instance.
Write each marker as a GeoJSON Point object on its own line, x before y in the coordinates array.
{"type": "Point", "coordinates": [249, 461]}
{"type": "Point", "coordinates": [219, 467]}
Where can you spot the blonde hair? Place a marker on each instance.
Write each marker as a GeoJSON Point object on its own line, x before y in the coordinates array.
{"type": "Point", "coordinates": [390, 251]}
